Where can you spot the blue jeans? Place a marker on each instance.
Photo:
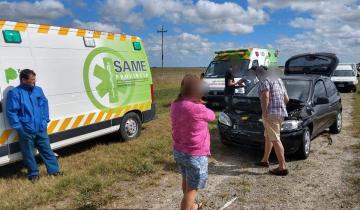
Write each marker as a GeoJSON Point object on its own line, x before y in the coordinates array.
{"type": "Point", "coordinates": [41, 141]}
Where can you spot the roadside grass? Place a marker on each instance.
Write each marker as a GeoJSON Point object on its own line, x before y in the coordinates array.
{"type": "Point", "coordinates": [96, 170]}
{"type": "Point", "coordinates": [354, 178]}
{"type": "Point", "coordinates": [356, 113]}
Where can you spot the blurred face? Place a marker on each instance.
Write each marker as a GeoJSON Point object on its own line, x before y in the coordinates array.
{"type": "Point", "coordinates": [30, 81]}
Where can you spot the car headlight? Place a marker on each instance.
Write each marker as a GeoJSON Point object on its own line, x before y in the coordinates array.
{"type": "Point", "coordinates": [289, 125]}
{"type": "Point", "coordinates": [225, 119]}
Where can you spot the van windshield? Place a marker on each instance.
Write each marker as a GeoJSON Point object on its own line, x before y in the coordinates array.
{"type": "Point", "coordinates": [218, 69]}
{"type": "Point", "coordinates": [344, 73]}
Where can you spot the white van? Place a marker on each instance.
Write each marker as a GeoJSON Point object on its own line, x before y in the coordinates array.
{"type": "Point", "coordinates": [345, 77]}
{"type": "Point", "coordinates": [96, 82]}
{"type": "Point", "coordinates": [241, 60]}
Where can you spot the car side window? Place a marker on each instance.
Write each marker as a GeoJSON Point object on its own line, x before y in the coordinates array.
{"type": "Point", "coordinates": [320, 90]}
{"type": "Point", "coordinates": [330, 88]}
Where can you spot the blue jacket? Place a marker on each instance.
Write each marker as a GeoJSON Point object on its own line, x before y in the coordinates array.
{"type": "Point", "coordinates": [27, 109]}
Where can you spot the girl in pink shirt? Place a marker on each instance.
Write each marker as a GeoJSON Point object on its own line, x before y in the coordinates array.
{"type": "Point", "coordinates": [191, 138]}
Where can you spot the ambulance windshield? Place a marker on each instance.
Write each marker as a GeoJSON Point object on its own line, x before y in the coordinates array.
{"type": "Point", "coordinates": [218, 69]}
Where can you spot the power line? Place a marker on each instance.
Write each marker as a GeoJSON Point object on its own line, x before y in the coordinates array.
{"type": "Point", "coordinates": [162, 31]}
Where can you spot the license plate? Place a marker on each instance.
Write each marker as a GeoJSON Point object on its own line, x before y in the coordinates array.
{"type": "Point", "coordinates": [341, 85]}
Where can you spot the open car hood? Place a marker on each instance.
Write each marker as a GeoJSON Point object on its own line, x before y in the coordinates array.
{"type": "Point", "coordinates": [312, 63]}
{"type": "Point", "coordinates": [252, 104]}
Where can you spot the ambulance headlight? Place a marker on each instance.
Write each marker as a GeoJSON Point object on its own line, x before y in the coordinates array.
{"type": "Point", "coordinates": [290, 125]}
{"type": "Point", "coordinates": [225, 119]}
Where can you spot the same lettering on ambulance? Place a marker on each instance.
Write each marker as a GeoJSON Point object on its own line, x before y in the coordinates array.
{"type": "Point", "coordinates": [123, 66]}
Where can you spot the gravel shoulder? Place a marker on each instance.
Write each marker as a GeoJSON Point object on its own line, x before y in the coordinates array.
{"type": "Point", "coordinates": [320, 182]}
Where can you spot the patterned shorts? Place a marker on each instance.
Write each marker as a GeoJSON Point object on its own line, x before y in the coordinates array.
{"type": "Point", "coordinates": [194, 169]}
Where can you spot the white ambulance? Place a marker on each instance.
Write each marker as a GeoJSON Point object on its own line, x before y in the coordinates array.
{"type": "Point", "coordinates": [241, 60]}
{"type": "Point", "coordinates": [96, 82]}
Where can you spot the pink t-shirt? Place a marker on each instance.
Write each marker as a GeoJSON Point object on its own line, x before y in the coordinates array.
{"type": "Point", "coordinates": [190, 130]}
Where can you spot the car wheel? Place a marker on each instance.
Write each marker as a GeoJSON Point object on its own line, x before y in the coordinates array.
{"type": "Point", "coordinates": [130, 126]}
{"type": "Point", "coordinates": [337, 126]}
{"type": "Point", "coordinates": [224, 142]}
{"type": "Point", "coordinates": [304, 149]}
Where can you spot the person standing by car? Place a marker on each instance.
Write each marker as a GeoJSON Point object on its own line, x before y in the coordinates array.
{"type": "Point", "coordinates": [273, 98]}
{"type": "Point", "coordinates": [191, 139]}
{"type": "Point", "coordinates": [28, 113]}
{"type": "Point", "coordinates": [231, 85]}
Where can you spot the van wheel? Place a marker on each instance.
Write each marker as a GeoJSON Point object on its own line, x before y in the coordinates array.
{"type": "Point", "coordinates": [304, 149]}
{"type": "Point", "coordinates": [130, 126]}
{"type": "Point", "coordinates": [337, 126]}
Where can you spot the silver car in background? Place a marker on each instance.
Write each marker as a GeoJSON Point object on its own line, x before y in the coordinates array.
{"type": "Point", "coordinates": [345, 77]}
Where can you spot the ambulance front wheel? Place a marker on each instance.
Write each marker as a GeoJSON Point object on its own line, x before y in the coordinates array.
{"type": "Point", "coordinates": [130, 126]}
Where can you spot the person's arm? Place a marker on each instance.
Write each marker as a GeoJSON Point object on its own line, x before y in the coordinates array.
{"type": "Point", "coordinates": [286, 97]}
{"type": "Point", "coordinates": [12, 109]}
{"type": "Point", "coordinates": [232, 83]}
{"type": "Point", "coordinates": [205, 114]}
{"type": "Point", "coordinates": [45, 106]}
{"type": "Point", "coordinates": [264, 99]}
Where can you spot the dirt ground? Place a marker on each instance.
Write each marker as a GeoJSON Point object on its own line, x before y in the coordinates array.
{"type": "Point", "coordinates": [316, 183]}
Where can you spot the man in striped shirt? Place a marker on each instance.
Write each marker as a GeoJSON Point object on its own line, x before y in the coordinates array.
{"type": "Point", "coordinates": [273, 98]}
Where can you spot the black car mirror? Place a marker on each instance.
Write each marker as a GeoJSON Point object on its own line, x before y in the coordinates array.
{"type": "Point", "coordinates": [321, 100]}
{"type": "Point", "coordinates": [202, 75]}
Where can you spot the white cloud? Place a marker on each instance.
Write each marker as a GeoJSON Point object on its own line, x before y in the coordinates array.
{"type": "Point", "coordinates": [97, 26]}
{"type": "Point", "coordinates": [44, 11]}
{"type": "Point", "coordinates": [333, 26]}
{"type": "Point", "coordinates": [184, 49]}
{"type": "Point", "coordinates": [207, 15]}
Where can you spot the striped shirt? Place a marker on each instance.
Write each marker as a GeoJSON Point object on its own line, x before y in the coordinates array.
{"type": "Point", "coordinates": [277, 92]}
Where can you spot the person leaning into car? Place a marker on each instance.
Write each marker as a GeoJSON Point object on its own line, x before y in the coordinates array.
{"type": "Point", "coordinates": [231, 85]}
{"type": "Point", "coordinates": [273, 98]}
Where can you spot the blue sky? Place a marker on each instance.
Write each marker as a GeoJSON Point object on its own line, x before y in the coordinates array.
{"type": "Point", "coordinates": [197, 28]}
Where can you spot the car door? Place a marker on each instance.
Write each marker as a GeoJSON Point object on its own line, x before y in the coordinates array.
{"type": "Point", "coordinates": [320, 110]}
{"type": "Point", "coordinates": [334, 101]}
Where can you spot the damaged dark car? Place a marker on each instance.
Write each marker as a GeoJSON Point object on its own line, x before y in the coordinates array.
{"type": "Point", "coordinates": [314, 106]}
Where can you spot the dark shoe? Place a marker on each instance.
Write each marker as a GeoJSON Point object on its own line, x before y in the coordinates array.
{"type": "Point", "coordinates": [33, 179]}
{"type": "Point", "coordinates": [279, 172]}
{"type": "Point", "coordinates": [263, 164]}
{"type": "Point", "coordinates": [59, 173]}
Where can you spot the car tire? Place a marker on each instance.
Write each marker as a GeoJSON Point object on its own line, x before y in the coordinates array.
{"type": "Point", "coordinates": [337, 126]}
{"type": "Point", "coordinates": [305, 146]}
{"type": "Point", "coordinates": [224, 142]}
{"type": "Point", "coordinates": [130, 126]}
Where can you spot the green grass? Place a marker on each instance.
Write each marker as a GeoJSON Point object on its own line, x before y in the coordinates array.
{"type": "Point", "coordinates": [354, 177]}
{"type": "Point", "coordinates": [97, 169]}
{"type": "Point", "coordinates": [356, 113]}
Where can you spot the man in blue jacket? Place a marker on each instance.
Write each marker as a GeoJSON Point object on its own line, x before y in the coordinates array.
{"type": "Point", "coordinates": [27, 111]}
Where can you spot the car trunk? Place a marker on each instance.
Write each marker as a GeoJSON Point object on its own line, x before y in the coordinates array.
{"type": "Point", "coordinates": [312, 63]}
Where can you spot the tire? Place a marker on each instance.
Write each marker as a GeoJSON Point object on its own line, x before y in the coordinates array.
{"type": "Point", "coordinates": [130, 126]}
{"type": "Point", "coordinates": [224, 142]}
{"type": "Point", "coordinates": [337, 126]}
{"type": "Point", "coordinates": [305, 146]}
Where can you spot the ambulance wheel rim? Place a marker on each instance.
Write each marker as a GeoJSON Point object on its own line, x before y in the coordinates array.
{"type": "Point", "coordinates": [131, 128]}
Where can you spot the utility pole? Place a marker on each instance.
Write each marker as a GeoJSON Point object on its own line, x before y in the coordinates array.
{"type": "Point", "coordinates": [162, 31]}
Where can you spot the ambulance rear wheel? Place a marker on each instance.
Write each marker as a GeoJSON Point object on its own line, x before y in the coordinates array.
{"type": "Point", "coordinates": [130, 126]}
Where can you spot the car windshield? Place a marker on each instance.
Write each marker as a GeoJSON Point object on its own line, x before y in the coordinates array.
{"type": "Point", "coordinates": [218, 69]}
{"type": "Point", "coordinates": [296, 89]}
{"type": "Point", "coordinates": [344, 73]}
